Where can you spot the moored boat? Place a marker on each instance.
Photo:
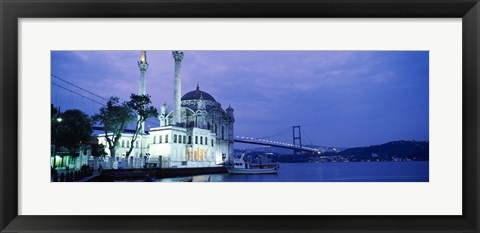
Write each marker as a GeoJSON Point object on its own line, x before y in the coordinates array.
{"type": "Point", "coordinates": [244, 166]}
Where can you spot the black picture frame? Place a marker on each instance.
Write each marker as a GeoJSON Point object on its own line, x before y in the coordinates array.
{"type": "Point", "coordinates": [11, 11]}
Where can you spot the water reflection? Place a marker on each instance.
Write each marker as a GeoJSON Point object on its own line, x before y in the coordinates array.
{"type": "Point", "coordinates": [327, 172]}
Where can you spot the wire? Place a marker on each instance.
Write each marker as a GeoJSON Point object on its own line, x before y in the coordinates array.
{"type": "Point", "coordinates": [308, 138]}
{"type": "Point", "coordinates": [78, 94]}
{"type": "Point", "coordinates": [79, 87]}
{"type": "Point", "coordinates": [149, 120]}
{"type": "Point", "coordinates": [276, 134]}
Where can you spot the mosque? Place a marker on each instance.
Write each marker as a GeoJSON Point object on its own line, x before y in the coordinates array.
{"type": "Point", "coordinates": [196, 132]}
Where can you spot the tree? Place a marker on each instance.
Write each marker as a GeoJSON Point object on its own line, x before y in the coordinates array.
{"type": "Point", "coordinates": [98, 150]}
{"type": "Point", "coordinates": [140, 105]}
{"type": "Point", "coordinates": [114, 117]}
{"type": "Point", "coordinates": [53, 111]}
{"type": "Point", "coordinates": [54, 122]}
{"type": "Point", "coordinates": [73, 131]}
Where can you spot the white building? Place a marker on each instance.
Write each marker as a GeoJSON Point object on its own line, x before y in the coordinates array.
{"type": "Point", "coordinates": [197, 132]}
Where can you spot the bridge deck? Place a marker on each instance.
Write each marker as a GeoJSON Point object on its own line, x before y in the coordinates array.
{"type": "Point", "coordinates": [275, 144]}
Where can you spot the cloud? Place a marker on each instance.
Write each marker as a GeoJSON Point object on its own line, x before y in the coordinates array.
{"type": "Point", "coordinates": [82, 55]}
{"type": "Point", "coordinates": [339, 95]}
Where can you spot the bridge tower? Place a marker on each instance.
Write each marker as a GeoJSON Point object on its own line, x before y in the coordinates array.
{"type": "Point", "coordinates": [297, 140]}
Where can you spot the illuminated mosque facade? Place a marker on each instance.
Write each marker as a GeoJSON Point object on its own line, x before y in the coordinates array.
{"type": "Point", "coordinates": [196, 132]}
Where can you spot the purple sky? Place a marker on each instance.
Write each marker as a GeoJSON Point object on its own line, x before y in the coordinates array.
{"type": "Point", "coordinates": [340, 98]}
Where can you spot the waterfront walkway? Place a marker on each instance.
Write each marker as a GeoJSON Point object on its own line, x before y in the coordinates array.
{"type": "Point", "coordinates": [109, 175]}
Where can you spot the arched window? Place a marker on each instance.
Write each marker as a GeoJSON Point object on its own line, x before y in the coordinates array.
{"type": "Point", "coordinates": [123, 143]}
{"type": "Point", "coordinates": [166, 138]}
{"type": "Point", "coordinates": [196, 139]}
{"type": "Point", "coordinates": [154, 139]}
{"type": "Point", "coordinates": [160, 139]}
{"type": "Point", "coordinates": [184, 137]}
{"type": "Point", "coordinates": [174, 138]}
{"type": "Point", "coordinates": [189, 139]}
{"type": "Point", "coordinates": [212, 142]}
{"type": "Point", "coordinates": [201, 140]}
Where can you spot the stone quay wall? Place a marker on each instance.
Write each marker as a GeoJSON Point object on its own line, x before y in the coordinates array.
{"type": "Point", "coordinates": [110, 175]}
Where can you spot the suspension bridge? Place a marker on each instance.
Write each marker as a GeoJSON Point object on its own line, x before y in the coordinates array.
{"type": "Point", "coordinates": [296, 144]}
{"type": "Point", "coordinates": [265, 142]}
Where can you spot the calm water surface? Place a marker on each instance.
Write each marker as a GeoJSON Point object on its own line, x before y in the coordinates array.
{"type": "Point", "coordinates": [327, 172]}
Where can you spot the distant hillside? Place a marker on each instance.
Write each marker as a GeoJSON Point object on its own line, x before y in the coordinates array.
{"type": "Point", "coordinates": [391, 151]}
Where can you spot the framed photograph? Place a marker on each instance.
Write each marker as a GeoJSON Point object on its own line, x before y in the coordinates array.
{"type": "Point", "coordinates": [207, 143]}
{"type": "Point", "coordinates": [239, 116]}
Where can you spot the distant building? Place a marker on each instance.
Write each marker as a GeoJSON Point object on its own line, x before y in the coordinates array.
{"type": "Point", "coordinates": [197, 132]}
{"type": "Point", "coordinates": [61, 159]}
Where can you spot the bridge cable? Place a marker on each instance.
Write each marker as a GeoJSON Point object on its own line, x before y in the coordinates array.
{"type": "Point", "coordinates": [308, 138]}
{"type": "Point", "coordinates": [276, 134]}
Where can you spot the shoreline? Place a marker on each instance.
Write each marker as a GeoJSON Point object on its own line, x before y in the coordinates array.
{"type": "Point", "coordinates": [109, 175]}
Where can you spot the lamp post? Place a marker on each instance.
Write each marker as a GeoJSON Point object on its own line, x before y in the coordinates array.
{"type": "Point", "coordinates": [58, 120]}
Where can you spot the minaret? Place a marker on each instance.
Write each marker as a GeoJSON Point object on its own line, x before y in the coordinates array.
{"type": "Point", "coordinates": [230, 115]}
{"type": "Point", "coordinates": [177, 87]}
{"type": "Point", "coordinates": [202, 113]}
{"type": "Point", "coordinates": [163, 114]}
{"type": "Point", "coordinates": [142, 87]}
{"type": "Point", "coordinates": [143, 65]}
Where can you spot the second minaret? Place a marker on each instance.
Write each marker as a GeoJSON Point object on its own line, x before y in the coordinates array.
{"type": "Point", "coordinates": [177, 88]}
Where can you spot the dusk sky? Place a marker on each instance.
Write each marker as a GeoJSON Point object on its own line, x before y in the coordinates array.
{"type": "Point", "coordinates": [340, 98]}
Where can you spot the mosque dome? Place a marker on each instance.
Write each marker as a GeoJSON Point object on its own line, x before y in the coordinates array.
{"type": "Point", "coordinates": [196, 94]}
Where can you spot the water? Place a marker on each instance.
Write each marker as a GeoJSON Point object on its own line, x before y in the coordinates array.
{"type": "Point", "coordinates": [327, 172]}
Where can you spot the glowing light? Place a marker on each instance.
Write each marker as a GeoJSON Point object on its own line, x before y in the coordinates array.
{"type": "Point", "coordinates": [143, 56]}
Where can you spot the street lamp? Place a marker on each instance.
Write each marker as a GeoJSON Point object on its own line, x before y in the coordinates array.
{"type": "Point", "coordinates": [59, 119]}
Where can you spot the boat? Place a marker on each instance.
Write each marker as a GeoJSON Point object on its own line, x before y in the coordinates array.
{"type": "Point", "coordinates": [244, 166]}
